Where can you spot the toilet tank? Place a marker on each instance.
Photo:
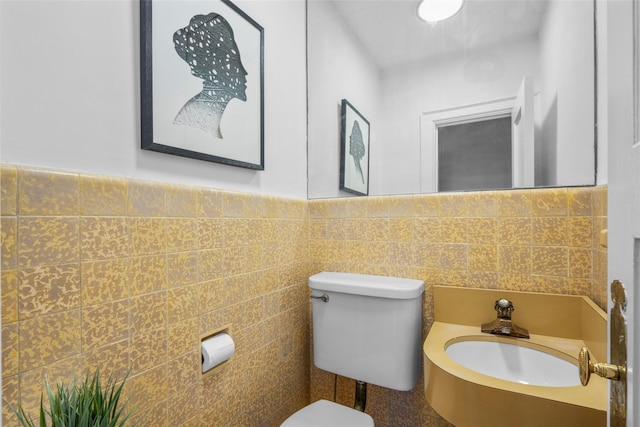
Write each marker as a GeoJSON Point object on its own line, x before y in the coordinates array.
{"type": "Point", "coordinates": [369, 329]}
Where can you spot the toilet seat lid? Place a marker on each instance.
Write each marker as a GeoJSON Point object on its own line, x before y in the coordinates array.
{"type": "Point", "coordinates": [328, 414]}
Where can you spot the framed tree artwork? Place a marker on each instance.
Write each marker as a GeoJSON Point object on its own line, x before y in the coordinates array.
{"type": "Point", "coordinates": [354, 151]}
{"type": "Point", "coordinates": [202, 81]}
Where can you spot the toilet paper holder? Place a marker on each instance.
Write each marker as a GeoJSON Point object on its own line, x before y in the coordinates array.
{"type": "Point", "coordinates": [217, 348]}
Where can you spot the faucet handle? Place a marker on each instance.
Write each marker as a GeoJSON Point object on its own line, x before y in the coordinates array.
{"type": "Point", "coordinates": [504, 307]}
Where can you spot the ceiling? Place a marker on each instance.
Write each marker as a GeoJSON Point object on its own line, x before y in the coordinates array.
{"type": "Point", "coordinates": [392, 33]}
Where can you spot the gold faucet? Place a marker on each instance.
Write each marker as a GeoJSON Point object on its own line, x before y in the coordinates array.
{"type": "Point", "coordinates": [503, 324]}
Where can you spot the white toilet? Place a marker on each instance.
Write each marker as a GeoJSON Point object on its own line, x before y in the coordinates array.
{"type": "Point", "coordinates": [367, 328]}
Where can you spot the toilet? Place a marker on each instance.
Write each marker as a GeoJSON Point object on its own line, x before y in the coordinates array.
{"type": "Point", "coordinates": [365, 327]}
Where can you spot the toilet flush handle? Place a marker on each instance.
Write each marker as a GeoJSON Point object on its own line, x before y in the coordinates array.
{"type": "Point", "coordinates": [323, 297]}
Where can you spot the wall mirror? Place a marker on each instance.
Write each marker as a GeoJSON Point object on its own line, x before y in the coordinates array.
{"type": "Point", "coordinates": [500, 95]}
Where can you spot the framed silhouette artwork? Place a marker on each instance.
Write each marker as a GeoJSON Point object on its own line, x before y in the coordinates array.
{"type": "Point", "coordinates": [354, 150]}
{"type": "Point", "coordinates": [202, 82]}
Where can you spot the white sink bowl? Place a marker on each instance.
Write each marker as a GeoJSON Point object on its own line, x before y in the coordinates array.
{"type": "Point", "coordinates": [515, 363]}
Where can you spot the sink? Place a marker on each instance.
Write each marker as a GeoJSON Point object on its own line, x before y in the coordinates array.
{"type": "Point", "coordinates": [531, 382]}
{"type": "Point", "coordinates": [511, 362]}
{"type": "Point", "coordinates": [475, 379]}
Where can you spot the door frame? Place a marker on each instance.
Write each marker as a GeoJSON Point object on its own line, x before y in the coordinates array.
{"type": "Point", "coordinates": [617, 74]}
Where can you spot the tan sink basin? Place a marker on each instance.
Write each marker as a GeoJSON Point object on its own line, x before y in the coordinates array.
{"type": "Point", "coordinates": [470, 392]}
{"type": "Point", "coordinates": [466, 397]}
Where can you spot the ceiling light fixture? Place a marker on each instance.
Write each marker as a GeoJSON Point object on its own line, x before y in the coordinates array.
{"type": "Point", "coordinates": [438, 10]}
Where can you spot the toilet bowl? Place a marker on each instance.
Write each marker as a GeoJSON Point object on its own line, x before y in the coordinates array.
{"type": "Point", "coordinates": [324, 413]}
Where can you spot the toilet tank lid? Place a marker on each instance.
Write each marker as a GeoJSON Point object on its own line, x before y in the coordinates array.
{"type": "Point", "coordinates": [367, 285]}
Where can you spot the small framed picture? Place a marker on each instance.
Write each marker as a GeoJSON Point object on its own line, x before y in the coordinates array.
{"type": "Point", "coordinates": [202, 81]}
{"type": "Point", "coordinates": [354, 151]}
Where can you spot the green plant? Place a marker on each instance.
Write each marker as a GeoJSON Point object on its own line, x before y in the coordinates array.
{"type": "Point", "coordinates": [81, 405]}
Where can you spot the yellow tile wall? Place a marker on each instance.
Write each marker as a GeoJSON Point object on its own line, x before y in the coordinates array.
{"type": "Point", "coordinates": [128, 275]}
{"type": "Point", "coordinates": [543, 240]}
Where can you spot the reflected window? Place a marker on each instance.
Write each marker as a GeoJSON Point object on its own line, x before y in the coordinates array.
{"type": "Point", "coordinates": [475, 155]}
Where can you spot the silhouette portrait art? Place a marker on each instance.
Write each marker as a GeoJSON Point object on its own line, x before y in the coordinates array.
{"type": "Point", "coordinates": [208, 46]}
{"type": "Point", "coordinates": [202, 82]}
{"type": "Point", "coordinates": [354, 150]}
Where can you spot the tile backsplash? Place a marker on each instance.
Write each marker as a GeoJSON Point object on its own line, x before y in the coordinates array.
{"type": "Point", "coordinates": [539, 240]}
{"type": "Point", "coordinates": [128, 275]}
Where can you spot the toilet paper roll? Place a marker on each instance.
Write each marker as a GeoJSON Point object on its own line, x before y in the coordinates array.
{"type": "Point", "coordinates": [215, 350]}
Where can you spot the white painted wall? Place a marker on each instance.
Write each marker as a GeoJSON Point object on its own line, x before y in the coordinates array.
{"type": "Point", "coordinates": [454, 81]}
{"type": "Point", "coordinates": [338, 68]}
{"type": "Point", "coordinates": [70, 95]}
{"type": "Point", "coordinates": [566, 118]}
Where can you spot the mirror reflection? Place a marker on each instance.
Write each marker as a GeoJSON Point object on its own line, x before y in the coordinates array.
{"type": "Point", "coordinates": [500, 95]}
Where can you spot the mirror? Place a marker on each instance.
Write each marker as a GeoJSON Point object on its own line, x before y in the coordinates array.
{"type": "Point", "coordinates": [433, 94]}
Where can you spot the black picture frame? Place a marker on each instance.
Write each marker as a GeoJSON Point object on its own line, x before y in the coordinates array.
{"type": "Point", "coordinates": [190, 105]}
{"type": "Point", "coordinates": [354, 150]}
